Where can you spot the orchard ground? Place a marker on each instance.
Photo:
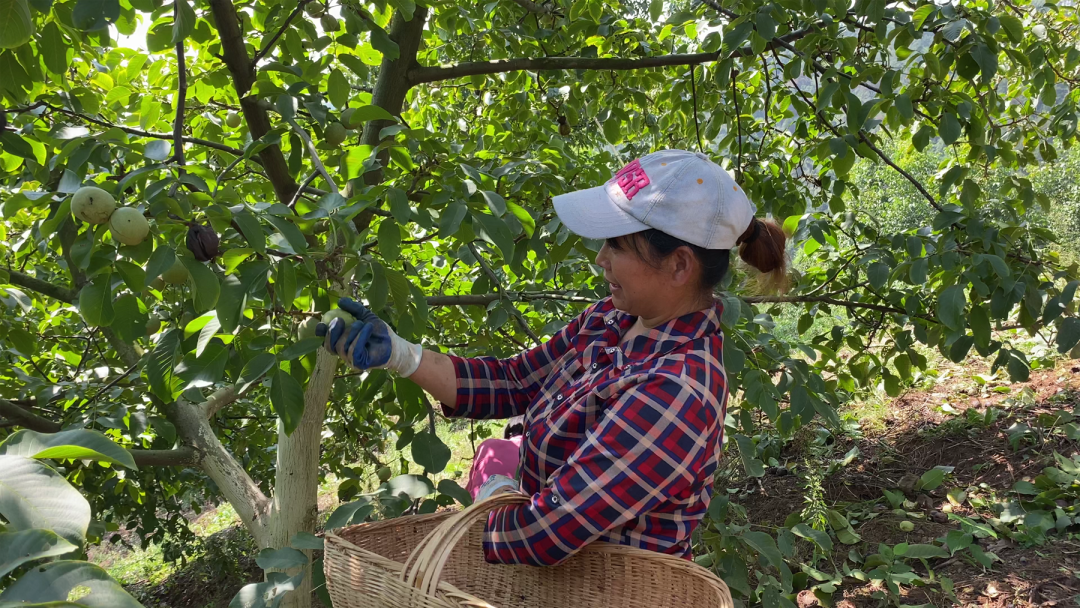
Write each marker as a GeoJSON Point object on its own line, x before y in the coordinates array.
{"type": "Point", "coordinates": [943, 422]}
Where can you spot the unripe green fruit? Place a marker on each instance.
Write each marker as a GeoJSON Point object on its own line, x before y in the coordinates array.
{"type": "Point", "coordinates": [307, 328]}
{"type": "Point", "coordinates": [153, 326]}
{"type": "Point", "coordinates": [907, 526]}
{"type": "Point", "coordinates": [92, 205]}
{"type": "Point", "coordinates": [384, 473]}
{"type": "Point", "coordinates": [337, 313]}
{"type": "Point", "coordinates": [329, 23]}
{"type": "Point", "coordinates": [232, 119]}
{"type": "Point", "coordinates": [315, 9]}
{"type": "Point", "coordinates": [129, 226]}
{"type": "Point", "coordinates": [176, 274]}
{"type": "Point", "coordinates": [335, 134]}
{"type": "Point", "coordinates": [157, 284]}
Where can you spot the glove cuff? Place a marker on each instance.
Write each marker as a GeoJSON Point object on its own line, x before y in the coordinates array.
{"type": "Point", "coordinates": [404, 355]}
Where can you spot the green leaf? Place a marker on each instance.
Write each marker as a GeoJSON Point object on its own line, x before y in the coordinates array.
{"type": "Point", "coordinates": [765, 546]}
{"type": "Point", "coordinates": [268, 594]}
{"type": "Point", "coordinates": [288, 230]}
{"type": "Point", "coordinates": [370, 112]}
{"type": "Point", "coordinates": [1068, 334]}
{"type": "Point", "coordinates": [251, 229]}
{"type": "Point", "coordinates": [931, 479]}
{"type": "Point", "coordinates": [32, 495]}
{"type": "Point", "coordinates": [878, 274]}
{"type": "Point", "coordinates": [160, 367]}
{"type": "Point", "coordinates": [951, 304]}
{"type": "Point", "coordinates": [430, 452]}
{"type": "Point", "coordinates": [979, 321]}
{"type": "Point", "coordinates": [55, 582]}
{"type": "Point", "coordinates": [748, 453]}
{"type": "Point", "coordinates": [337, 89]}
{"type": "Point", "coordinates": [389, 237]}
{"type": "Point", "coordinates": [453, 490]}
{"type": "Point", "coordinates": [821, 539]}
{"type": "Point", "coordinates": [949, 129]}
{"type": "Point", "coordinates": [349, 513]}
{"type": "Point", "coordinates": [494, 202]}
{"type": "Point", "coordinates": [382, 43]}
{"type": "Point", "coordinates": [920, 15]}
{"type": "Point", "coordinates": [54, 48]}
{"type": "Point", "coordinates": [161, 260]}
{"type": "Point", "coordinates": [494, 230]}
{"type": "Point", "coordinates": [655, 8]}
{"type": "Point", "coordinates": [1012, 26]}
{"type": "Point", "coordinates": [300, 348]}
{"type": "Point", "coordinates": [285, 283]}
{"type": "Point", "coordinates": [75, 444]}
{"type": "Point", "coordinates": [134, 276]}
{"type": "Point", "coordinates": [96, 301]}
{"type": "Point", "coordinates": [923, 552]}
{"type": "Point", "coordinates": [413, 486]}
{"type": "Point", "coordinates": [18, 548]}
{"type": "Point", "coordinates": [280, 559]}
{"type": "Point", "coordinates": [91, 15]}
{"type": "Point", "coordinates": [254, 370]}
{"type": "Point", "coordinates": [230, 306]}
{"type": "Point", "coordinates": [307, 540]}
{"type": "Point", "coordinates": [185, 21]}
{"type": "Point", "coordinates": [204, 284]}
{"type": "Point", "coordinates": [16, 25]}
{"type": "Point", "coordinates": [287, 399]}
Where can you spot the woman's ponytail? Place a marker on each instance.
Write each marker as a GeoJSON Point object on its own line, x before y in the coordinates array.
{"type": "Point", "coordinates": [764, 246]}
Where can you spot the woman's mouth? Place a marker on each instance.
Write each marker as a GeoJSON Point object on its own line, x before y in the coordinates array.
{"type": "Point", "coordinates": [614, 286]}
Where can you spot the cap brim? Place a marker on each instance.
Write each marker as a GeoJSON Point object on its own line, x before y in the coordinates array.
{"type": "Point", "coordinates": [592, 214]}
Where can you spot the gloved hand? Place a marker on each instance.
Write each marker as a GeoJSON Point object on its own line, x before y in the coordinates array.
{"type": "Point", "coordinates": [496, 484]}
{"type": "Point", "coordinates": [369, 342]}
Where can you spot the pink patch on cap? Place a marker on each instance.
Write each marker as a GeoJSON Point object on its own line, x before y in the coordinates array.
{"type": "Point", "coordinates": [631, 179]}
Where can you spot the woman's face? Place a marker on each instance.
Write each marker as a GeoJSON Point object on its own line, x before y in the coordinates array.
{"type": "Point", "coordinates": [639, 288]}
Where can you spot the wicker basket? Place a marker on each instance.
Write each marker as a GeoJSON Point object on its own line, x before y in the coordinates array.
{"type": "Point", "coordinates": [436, 561]}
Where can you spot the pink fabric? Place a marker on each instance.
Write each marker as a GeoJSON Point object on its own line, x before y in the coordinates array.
{"type": "Point", "coordinates": [494, 457]}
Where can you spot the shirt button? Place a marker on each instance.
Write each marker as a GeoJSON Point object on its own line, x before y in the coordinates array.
{"type": "Point", "coordinates": [611, 322]}
{"type": "Point", "coordinates": [595, 365]}
{"type": "Point", "coordinates": [554, 499]}
{"type": "Point", "coordinates": [528, 434]}
{"type": "Point", "coordinates": [559, 398]}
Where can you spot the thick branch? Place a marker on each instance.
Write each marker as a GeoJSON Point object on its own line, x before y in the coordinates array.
{"type": "Point", "coordinates": [26, 418]}
{"type": "Point", "coordinates": [43, 287]}
{"type": "Point", "coordinates": [420, 75]}
{"type": "Point", "coordinates": [242, 70]}
{"type": "Point", "coordinates": [179, 457]}
{"type": "Point", "coordinates": [487, 298]}
{"type": "Point", "coordinates": [219, 399]}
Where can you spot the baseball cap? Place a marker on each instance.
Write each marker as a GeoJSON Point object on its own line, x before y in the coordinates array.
{"type": "Point", "coordinates": [680, 193]}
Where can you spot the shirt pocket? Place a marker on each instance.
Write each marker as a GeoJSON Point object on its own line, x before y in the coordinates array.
{"type": "Point", "coordinates": [560, 382]}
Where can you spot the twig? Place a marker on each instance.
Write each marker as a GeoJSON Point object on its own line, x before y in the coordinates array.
{"type": "Point", "coordinates": [907, 176]}
{"type": "Point", "coordinates": [181, 97]}
{"type": "Point", "coordinates": [221, 176]}
{"type": "Point", "coordinates": [307, 181]}
{"type": "Point", "coordinates": [502, 293]}
{"type": "Point", "coordinates": [738, 124]}
{"type": "Point", "coordinates": [314, 153]}
{"type": "Point", "coordinates": [270, 45]}
{"type": "Point", "coordinates": [693, 89]}
{"type": "Point", "coordinates": [111, 384]}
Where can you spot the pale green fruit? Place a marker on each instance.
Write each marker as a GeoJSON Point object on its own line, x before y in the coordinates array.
{"type": "Point", "coordinates": [232, 119]}
{"type": "Point", "coordinates": [153, 326]}
{"type": "Point", "coordinates": [92, 205]}
{"type": "Point", "coordinates": [335, 134]}
{"type": "Point", "coordinates": [384, 473]}
{"type": "Point", "coordinates": [176, 274]}
{"type": "Point", "coordinates": [337, 313]}
{"type": "Point", "coordinates": [907, 526]}
{"type": "Point", "coordinates": [329, 23]}
{"type": "Point", "coordinates": [315, 9]}
{"type": "Point", "coordinates": [157, 284]}
{"type": "Point", "coordinates": [307, 328]}
{"type": "Point", "coordinates": [129, 226]}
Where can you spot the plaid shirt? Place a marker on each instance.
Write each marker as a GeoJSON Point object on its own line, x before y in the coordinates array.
{"type": "Point", "coordinates": [621, 443]}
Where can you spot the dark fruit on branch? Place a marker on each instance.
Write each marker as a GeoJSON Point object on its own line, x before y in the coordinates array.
{"type": "Point", "coordinates": [203, 242]}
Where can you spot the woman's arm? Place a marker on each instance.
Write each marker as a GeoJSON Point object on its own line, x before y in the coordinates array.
{"type": "Point", "coordinates": [436, 375]}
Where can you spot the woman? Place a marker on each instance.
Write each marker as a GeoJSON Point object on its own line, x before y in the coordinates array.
{"type": "Point", "coordinates": [624, 408]}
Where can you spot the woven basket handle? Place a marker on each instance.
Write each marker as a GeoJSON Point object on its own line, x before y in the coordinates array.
{"type": "Point", "coordinates": [426, 562]}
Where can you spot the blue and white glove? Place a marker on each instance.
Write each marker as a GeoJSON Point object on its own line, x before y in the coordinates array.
{"type": "Point", "coordinates": [369, 342]}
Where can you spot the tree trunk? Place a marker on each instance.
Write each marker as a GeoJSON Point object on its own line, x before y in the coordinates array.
{"type": "Point", "coordinates": [296, 489]}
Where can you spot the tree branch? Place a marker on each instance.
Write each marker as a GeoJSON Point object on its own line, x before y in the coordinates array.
{"type": "Point", "coordinates": [27, 419]}
{"type": "Point", "coordinates": [314, 153]}
{"type": "Point", "coordinates": [242, 69]}
{"type": "Point", "coordinates": [219, 399]}
{"type": "Point", "coordinates": [888, 161]}
{"type": "Point", "coordinates": [502, 294]}
{"type": "Point", "coordinates": [284, 26]}
{"type": "Point", "coordinates": [420, 75]}
{"type": "Point", "coordinates": [826, 300]}
{"type": "Point", "coordinates": [181, 98]}
{"type": "Point", "coordinates": [57, 292]}
{"type": "Point", "coordinates": [487, 298]}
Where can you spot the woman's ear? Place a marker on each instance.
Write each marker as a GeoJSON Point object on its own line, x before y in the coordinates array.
{"type": "Point", "coordinates": [683, 266]}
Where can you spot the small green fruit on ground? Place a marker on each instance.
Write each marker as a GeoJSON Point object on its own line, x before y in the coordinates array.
{"type": "Point", "coordinates": [335, 134]}
{"type": "Point", "coordinates": [92, 205]}
{"type": "Point", "coordinates": [153, 326]}
{"type": "Point", "coordinates": [232, 119]}
{"type": "Point", "coordinates": [907, 526]}
{"type": "Point", "coordinates": [307, 328]}
{"type": "Point", "coordinates": [337, 313]}
{"type": "Point", "coordinates": [176, 274]}
{"type": "Point", "coordinates": [129, 226]}
{"type": "Point", "coordinates": [384, 473]}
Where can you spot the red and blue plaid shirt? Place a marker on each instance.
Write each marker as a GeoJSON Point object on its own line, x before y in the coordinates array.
{"type": "Point", "coordinates": [621, 442]}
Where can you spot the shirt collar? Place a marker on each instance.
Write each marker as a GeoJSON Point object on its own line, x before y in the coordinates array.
{"type": "Point", "coordinates": [667, 336]}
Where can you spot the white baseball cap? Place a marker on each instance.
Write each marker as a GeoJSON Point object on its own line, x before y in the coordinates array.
{"type": "Point", "coordinates": [680, 193]}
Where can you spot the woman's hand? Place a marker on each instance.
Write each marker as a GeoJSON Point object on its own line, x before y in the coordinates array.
{"type": "Point", "coordinates": [369, 342]}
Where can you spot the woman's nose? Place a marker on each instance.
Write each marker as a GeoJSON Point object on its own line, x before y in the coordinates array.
{"type": "Point", "coordinates": [602, 257]}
